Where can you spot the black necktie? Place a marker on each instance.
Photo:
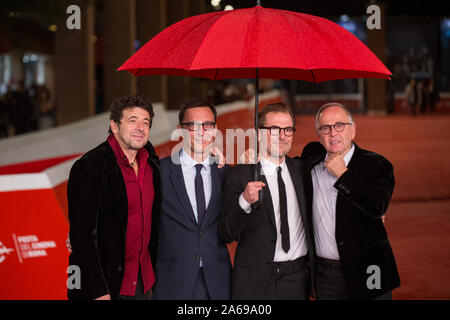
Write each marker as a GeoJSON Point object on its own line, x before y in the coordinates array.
{"type": "Point", "coordinates": [199, 194]}
{"type": "Point", "coordinates": [284, 228]}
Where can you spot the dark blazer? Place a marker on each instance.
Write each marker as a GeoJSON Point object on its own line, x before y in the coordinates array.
{"type": "Point", "coordinates": [255, 232]}
{"type": "Point", "coordinates": [182, 241]}
{"type": "Point", "coordinates": [98, 216]}
{"type": "Point", "coordinates": [364, 192]}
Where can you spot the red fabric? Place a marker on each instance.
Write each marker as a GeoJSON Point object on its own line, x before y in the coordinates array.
{"type": "Point", "coordinates": [281, 44]}
{"type": "Point", "coordinates": [34, 166]}
{"type": "Point", "coordinates": [140, 193]}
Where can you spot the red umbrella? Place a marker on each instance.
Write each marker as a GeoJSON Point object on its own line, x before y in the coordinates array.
{"type": "Point", "coordinates": [234, 44]}
{"type": "Point", "coordinates": [256, 43]}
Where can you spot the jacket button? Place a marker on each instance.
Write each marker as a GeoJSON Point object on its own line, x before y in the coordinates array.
{"type": "Point", "coordinates": [119, 268]}
{"type": "Point", "coordinates": [200, 233]}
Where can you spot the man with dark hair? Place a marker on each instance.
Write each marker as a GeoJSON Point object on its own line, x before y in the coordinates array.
{"type": "Point", "coordinates": [193, 263]}
{"type": "Point", "coordinates": [117, 107]}
{"type": "Point", "coordinates": [195, 103]}
{"type": "Point", "coordinates": [274, 238]}
{"type": "Point", "coordinates": [348, 190]}
{"type": "Point", "coordinates": [114, 197]}
{"type": "Point", "coordinates": [275, 107]}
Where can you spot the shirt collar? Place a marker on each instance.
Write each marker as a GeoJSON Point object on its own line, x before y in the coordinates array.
{"type": "Point", "coordinates": [187, 161]}
{"type": "Point", "coordinates": [270, 168]}
{"type": "Point", "coordinates": [349, 155]}
{"type": "Point", "coordinates": [120, 155]}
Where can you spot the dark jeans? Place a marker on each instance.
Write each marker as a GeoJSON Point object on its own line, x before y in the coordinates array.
{"type": "Point", "coordinates": [139, 293]}
{"type": "Point", "coordinates": [289, 280]}
{"type": "Point", "coordinates": [330, 282]}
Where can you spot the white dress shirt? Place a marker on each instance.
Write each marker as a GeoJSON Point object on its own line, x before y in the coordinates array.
{"type": "Point", "coordinates": [298, 247]}
{"type": "Point", "coordinates": [189, 173]}
{"type": "Point", "coordinates": [324, 209]}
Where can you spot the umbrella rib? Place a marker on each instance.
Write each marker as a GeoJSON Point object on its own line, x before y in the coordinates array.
{"type": "Point", "coordinates": [206, 35]}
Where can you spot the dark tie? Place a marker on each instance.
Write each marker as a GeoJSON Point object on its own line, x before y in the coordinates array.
{"type": "Point", "coordinates": [284, 228]}
{"type": "Point", "coordinates": [199, 194]}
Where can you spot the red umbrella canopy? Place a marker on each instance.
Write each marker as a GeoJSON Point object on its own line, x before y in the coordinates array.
{"type": "Point", "coordinates": [233, 44]}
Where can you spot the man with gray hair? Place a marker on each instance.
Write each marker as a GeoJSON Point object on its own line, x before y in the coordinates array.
{"type": "Point", "coordinates": [348, 190]}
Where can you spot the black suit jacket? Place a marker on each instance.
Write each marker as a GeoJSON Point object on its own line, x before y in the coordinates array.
{"type": "Point", "coordinates": [255, 232]}
{"type": "Point", "coordinates": [364, 192]}
{"type": "Point", "coordinates": [182, 241]}
{"type": "Point", "coordinates": [98, 217]}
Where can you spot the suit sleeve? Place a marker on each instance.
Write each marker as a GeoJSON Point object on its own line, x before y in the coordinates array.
{"type": "Point", "coordinates": [233, 219]}
{"type": "Point", "coordinates": [83, 195]}
{"type": "Point", "coordinates": [369, 190]}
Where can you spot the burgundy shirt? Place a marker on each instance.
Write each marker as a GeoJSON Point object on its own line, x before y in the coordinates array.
{"type": "Point", "coordinates": [140, 194]}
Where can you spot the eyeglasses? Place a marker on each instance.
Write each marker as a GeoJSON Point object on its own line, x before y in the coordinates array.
{"type": "Point", "coordinates": [338, 127]}
{"type": "Point", "coordinates": [275, 131]}
{"type": "Point", "coordinates": [195, 126]}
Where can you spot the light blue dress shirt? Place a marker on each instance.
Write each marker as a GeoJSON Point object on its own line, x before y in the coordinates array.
{"type": "Point", "coordinates": [324, 209]}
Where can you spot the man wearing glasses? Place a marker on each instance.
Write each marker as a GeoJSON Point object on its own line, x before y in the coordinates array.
{"type": "Point", "coordinates": [193, 263]}
{"type": "Point", "coordinates": [274, 236]}
{"type": "Point", "coordinates": [348, 190]}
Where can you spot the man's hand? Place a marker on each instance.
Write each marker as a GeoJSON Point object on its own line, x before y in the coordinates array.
{"type": "Point", "coordinates": [250, 193]}
{"type": "Point", "coordinates": [335, 164]}
{"type": "Point", "coordinates": [215, 152]}
{"type": "Point", "coordinates": [69, 247]}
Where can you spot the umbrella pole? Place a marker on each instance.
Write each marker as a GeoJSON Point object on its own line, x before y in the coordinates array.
{"type": "Point", "coordinates": [255, 205]}
{"type": "Point", "coordinates": [256, 120]}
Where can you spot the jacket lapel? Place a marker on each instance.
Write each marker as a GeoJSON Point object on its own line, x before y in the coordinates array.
{"type": "Point", "coordinates": [296, 178]}
{"type": "Point", "coordinates": [354, 160]}
{"type": "Point", "coordinates": [178, 184]}
{"type": "Point", "coordinates": [119, 190]}
{"type": "Point", "coordinates": [267, 198]}
{"type": "Point", "coordinates": [216, 192]}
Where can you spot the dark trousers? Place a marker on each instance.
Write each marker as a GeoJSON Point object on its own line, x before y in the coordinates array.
{"type": "Point", "coordinates": [330, 282]}
{"type": "Point", "coordinates": [139, 293]}
{"type": "Point", "coordinates": [289, 280]}
{"type": "Point", "coordinates": [200, 289]}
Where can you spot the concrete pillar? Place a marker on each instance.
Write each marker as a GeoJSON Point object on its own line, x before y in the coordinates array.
{"type": "Point", "coordinates": [376, 88]}
{"type": "Point", "coordinates": [151, 20]}
{"type": "Point", "coordinates": [178, 88]}
{"type": "Point", "coordinates": [74, 66]}
{"type": "Point", "coordinates": [119, 18]}
{"type": "Point", "coordinates": [198, 87]}
{"type": "Point", "coordinates": [17, 72]}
